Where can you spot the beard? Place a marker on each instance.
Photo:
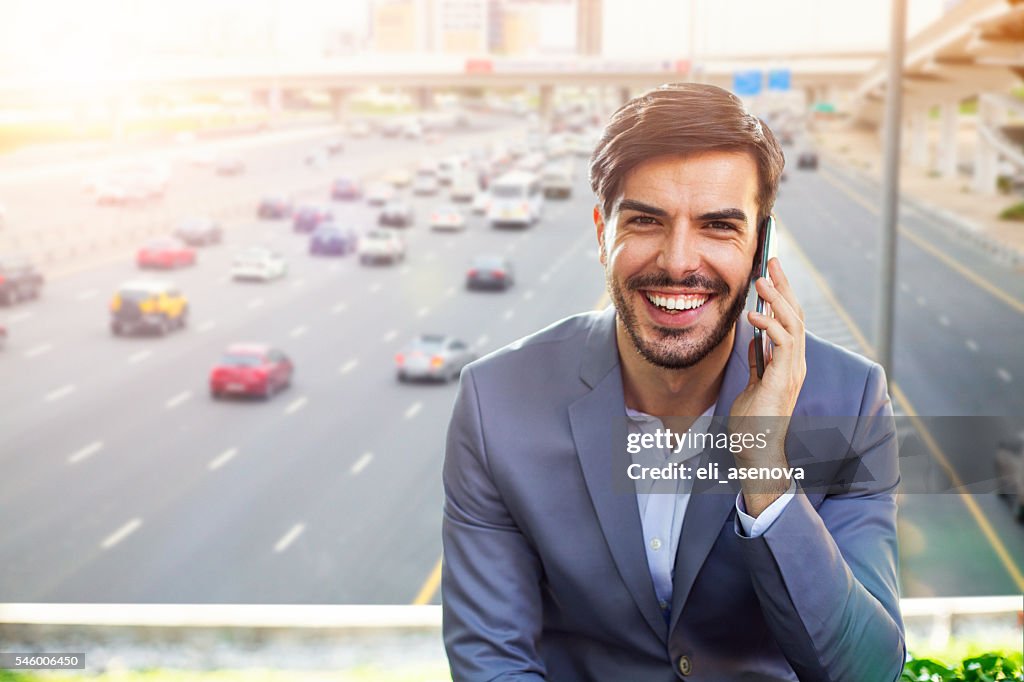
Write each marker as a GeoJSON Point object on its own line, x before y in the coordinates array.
{"type": "Point", "coordinates": [676, 348]}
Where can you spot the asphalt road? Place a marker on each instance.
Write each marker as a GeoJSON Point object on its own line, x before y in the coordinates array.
{"type": "Point", "coordinates": [124, 482]}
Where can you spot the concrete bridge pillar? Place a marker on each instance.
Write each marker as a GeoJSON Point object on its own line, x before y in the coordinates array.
{"type": "Point", "coordinates": [919, 137]}
{"type": "Point", "coordinates": [947, 139]}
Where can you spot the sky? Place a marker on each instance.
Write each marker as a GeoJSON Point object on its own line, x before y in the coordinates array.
{"type": "Point", "coordinates": [60, 34]}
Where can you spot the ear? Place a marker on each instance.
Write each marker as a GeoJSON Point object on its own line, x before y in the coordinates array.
{"type": "Point", "coordinates": [599, 225]}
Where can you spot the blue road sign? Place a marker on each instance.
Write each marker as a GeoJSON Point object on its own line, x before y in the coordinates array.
{"type": "Point", "coordinates": [746, 82]}
{"type": "Point", "coordinates": [779, 79]}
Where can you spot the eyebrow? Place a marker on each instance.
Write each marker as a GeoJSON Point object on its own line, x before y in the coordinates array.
{"type": "Point", "coordinates": [723, 214]}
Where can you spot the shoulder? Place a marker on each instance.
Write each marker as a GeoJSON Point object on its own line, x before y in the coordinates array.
{"type": "Point", "coordinates": [838, 378]}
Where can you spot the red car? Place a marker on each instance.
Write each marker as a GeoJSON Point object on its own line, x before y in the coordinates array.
{"type": "Point", "coordinates": [166, 252]}
{"type": "Point", "coordinates": [251, 369]}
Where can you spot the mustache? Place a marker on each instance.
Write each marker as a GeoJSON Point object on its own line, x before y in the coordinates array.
{"type": "Point", "coordinates": [652, 280]}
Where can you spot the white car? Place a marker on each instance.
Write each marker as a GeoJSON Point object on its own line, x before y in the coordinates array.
{"type": "Point", "coordinates": [464, 187]}
{"type": "Point", "coordinates": [481, 203]}
{"type": "Point", "coordinates": [379, 193]}
{"type": "Point", "coordinates": [383, 244]}
{"type": "Point", "coordinates": [447, 217]}
{"type": "Point", "coordinates": [258, 263]}
{"type": "Point", "coordinates": [425, 183]}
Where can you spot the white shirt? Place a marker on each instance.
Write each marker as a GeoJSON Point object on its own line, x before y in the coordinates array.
{"type": "Point", "coordinates": [663, 503]}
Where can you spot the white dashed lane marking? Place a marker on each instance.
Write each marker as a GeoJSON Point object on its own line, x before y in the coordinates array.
{"type": "Point", "coordinates": [482, 341]}
{"type": "Point", "coordinates": [177, 400]}
{"type": "Point", "coordinates": [41, 349]}
{"type": "Point", "coordinates": [509, 314]}
{"type": "Point", "coordinates": [348, 366]}
{"type": "Point", "coordinates": [121, 533]}
{"type": "Point", "coordinates": [390, 336]}
{"type": "Point", "coordinates": [86, 452]}
{"type": "Point", "coordinates": [339, 308]}
{"type": "Point", "coordinates": [1004, 375]}
{"type": "Point", "coordinates": [255, 303]}
{"type": "Point", "coordinates": [972, 345]}
{"type": "Point", "coordinates": [206, 326]}
{"type": "Point", "coordinates": [288, 538]}
{"type": "Point", "coordinates": [361, 463]}
{"type": "Point", "coordinates": [423, 312]}
{"type": "Point", "coordinates": [296, 405]}
{"type": "Point", "coordinates": [138, 357]}
{"type": "Point", "coordinates": [58, 393]}
{"type": "Point", "coordinates": [375, 287]}
{"type": "Point", "coordinates": [222, 459]}
{"type": "Point", "coordinates": [413, 410]}
{"type": "Point", "coordinates": [86, 295]}
{"type": "Point", "coordinates": [298, 331]}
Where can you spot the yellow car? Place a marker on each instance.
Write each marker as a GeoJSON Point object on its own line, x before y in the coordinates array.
{"type": "Point", "coordinates": [148, 305]}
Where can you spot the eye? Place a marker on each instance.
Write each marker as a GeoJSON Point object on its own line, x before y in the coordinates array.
{"type": "Point", "coordinates": [643, 220]}
{"type": "Point", "coordinates": [719, 225]}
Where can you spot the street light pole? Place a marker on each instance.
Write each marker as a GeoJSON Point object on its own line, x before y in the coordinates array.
{"type": "Point", "coordinates": [891, 186]}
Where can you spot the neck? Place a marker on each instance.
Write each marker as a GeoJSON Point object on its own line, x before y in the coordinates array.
{"type": "Point", "coordinates": [671, 392]}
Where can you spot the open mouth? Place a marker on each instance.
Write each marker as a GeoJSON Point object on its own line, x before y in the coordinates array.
{"type": "Point", "coordinates": [675, 304]}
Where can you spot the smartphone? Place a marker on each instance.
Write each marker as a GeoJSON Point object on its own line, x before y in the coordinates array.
{"type": "Point", "coordinates": [766, 248]}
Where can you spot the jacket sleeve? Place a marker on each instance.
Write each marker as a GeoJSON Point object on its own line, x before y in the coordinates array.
{"type": "Point", "coordinates": [826, 577]}
{"type": "Point", "coordinates": [490, 589]}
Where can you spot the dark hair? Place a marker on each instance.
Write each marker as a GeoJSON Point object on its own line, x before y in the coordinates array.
{"type": "Point", "coordinates": [683, 118]}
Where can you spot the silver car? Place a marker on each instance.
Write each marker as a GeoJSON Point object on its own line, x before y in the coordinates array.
{"type": "Point", "coordinates": [433, 356]}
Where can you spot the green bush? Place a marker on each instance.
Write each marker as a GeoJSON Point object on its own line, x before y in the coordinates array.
{"type": "Point", "coordinates": [1015, 212]}
{"type": "Point", "coordinates": [984, 668]}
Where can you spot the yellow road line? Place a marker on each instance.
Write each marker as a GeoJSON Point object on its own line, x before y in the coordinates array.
{"type": "Point", "coordinates": [929, 441]}
{"type": "Point", "coordinates": [968, 500]}
{"type": "Point", "coordinates": [430, 586]}
{"type": "Point", "coordinates": [967, 274]}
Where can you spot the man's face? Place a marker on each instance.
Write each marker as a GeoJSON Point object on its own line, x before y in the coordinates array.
{"type": "Point", "coordinates": [678, 251]}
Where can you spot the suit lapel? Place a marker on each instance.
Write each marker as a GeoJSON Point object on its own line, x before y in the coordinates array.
{"type": "Point", "coordinates": [707, 512]}
{"type": "Point", "coordinates": [598, 421]}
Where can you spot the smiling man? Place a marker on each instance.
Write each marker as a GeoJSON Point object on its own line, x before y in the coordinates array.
{"type": "Point", "coordinates": [553, 568]}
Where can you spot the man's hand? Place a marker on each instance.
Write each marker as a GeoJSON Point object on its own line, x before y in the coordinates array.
{"type": "Point", "coordinates": [774, 395]}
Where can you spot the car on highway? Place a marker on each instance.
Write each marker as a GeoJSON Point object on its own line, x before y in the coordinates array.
{"type": "Point", "coordinates": [481, 203]}
{"type": "Point", "coordinates": [379, 193]}
{"type": "Point", "coordinates": [433, 357]}
{"type": "Point", "coordinates": [19, 279]}
{"type": "Point", "coordinates": [199, 231]}
{"type": "Point", "coordinates": [490, 272]}
{"type": "Point", "coordinates": [309, 216]}
{"type": "Point", "coordinates": [333, 240]}
{"type": "Point", "coordinates": [517, 199]}
{"type": "Point", "coordinates": [464, 187]}
{"type": "Point", "coordinates": [123, 191]}
{"type": "Point", "coordinates": [447, 217]}
{"type": "Point", "coordinates": [449, 167]}
{"type": "Point", "coordinates": [346, 188]}
{"type": "Point", "coordinates": [556, 179]}
{"type": "Point", "coordinates": [230, 166]}
{"type": "Point", "coordinates": [383, 244]}
{"type": "Point", "coordinates": [254, 369]}
{"type": "Point", "coordinates": [335, 146]}
{"type": "Point", "coordinates": [148, 305]}
{"type": "Point", "coordinates": [1009, 465]}
{"type": "Point", "coordinates": [412, 130]}
{"type": "Point", "coordinates": [165, 253]}
{"type": "Point", "coordinates": [397, 213]}
{"type": "Point", "coordinates": [258, 263]}
{"type": "Point", "coordinates": [425, 182]}
{"type": "Point", "coordinates": [398, 177]}
{"type": "Point", "coordinates": [807, 160]}
{"type": "Point", "coordinates": [275, 206]}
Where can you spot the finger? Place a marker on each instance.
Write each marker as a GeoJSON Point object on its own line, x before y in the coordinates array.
{"type": "Point", "coordinates": [783, 353]}
{"type": "Point", "coordinates": [781, 308]}
{"type": "Point", "coordinates": [782, 284]}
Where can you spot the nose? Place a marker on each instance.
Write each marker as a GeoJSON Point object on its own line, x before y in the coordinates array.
{"type": "Point", "coordinates": [680, 254]}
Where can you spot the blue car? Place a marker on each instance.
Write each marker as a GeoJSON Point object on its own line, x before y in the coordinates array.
{"type": "Point", "coordinates": [329, 239]}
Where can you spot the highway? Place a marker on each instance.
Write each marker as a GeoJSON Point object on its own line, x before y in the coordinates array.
{"type": "Point", "coordinates": [124, 482]}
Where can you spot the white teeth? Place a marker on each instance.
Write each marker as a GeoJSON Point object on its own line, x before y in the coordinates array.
{"type": "Point", "coordinates": [683, 302]}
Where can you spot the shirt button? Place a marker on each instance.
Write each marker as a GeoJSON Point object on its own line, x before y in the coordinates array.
{"type": "Point", "coordinates": [655, 544]}
{"type": "Point", "coordinates": [685, 668]}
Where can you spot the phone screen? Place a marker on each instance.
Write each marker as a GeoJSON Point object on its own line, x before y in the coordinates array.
{"type": "Point", "coordinates": [767, 250]}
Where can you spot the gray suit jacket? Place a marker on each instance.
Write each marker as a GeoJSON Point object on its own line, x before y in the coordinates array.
{"type": "Point", "coordinates": [545, 574]}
